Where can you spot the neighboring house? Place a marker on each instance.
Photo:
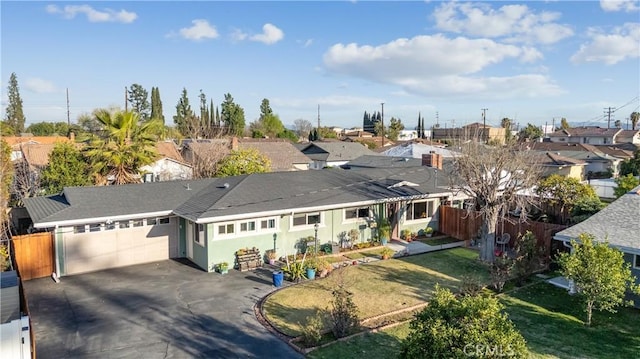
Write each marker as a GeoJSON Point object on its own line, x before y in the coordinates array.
{"type": "Point", "coordinates": [598, 159]}
{"type": "Point", "coordinates": [554, 163]}
{"type": "Point", "coordinates": [416, 150]}
{"type": "Point", "coordinates": [366, 140]}
{"type": "Point", "coordinates": [333, 153]}
{"type": "Point", "coordinates": [474, 130]}
{"type": "Point", "coordinates": [208, 220]}
{"type": "Point", "coordinates": [595, 135]}
{"type": "Point", "coordinates": [619, 225]}
{"type": "Point", "coordinates": [17, 142]}
{"type": "Point", "coordinates": [168, 166]}
{"type": "Point", "coordinates": [282, 154]}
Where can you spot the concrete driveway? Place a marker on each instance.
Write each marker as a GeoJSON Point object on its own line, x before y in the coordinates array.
{"type": "Point", "coordinates": [166, 309]}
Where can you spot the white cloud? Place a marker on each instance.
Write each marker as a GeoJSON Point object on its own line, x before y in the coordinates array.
{"type": "Point", "coordinates": [238, 35]}
{"type": "Point", "coordinates": [621, 44]}
{"type": "Point", "coordinates": [514, 23]}
{"type": "Point", "coordinates": [39, 85]}
{"type": "Point", "coordinates": [270, 35]}
{"type": "Point", "coordinates": [201, 29]}
{"type": "Point", "coordinates": [93, 15]}
{"type": "Point", "coordinates": [437, 65]}
{"type": "Point", "coordinates": [619, 5]}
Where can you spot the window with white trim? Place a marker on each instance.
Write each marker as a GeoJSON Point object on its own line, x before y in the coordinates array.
{"type": "Point", "coordinates": [164, 220]}
{"type": "Point", "coordinates": [95, 227]}
{"type": "Point", "coordinates": [124, 224]}
{"type": "Point", "coordinates": [420, 210]}
{"type": "Point", "coordinates": [268, 223]}
{"type": "Point", "coordinates": [305, 219]}
{"type": "Point", "coordinates": [79, 229]}
{"type": "Point", "coordinates": [356, 213]}
{"type": "Point", "coordinates": [152, 221]}
{"type": "Point", "coordinates": [199, 235]}
{"type": "Point", "coordinates": [109, 226]}
{"type": "Point", "coordinates": [226, 228]}
{"type": "Point", "coordinates": [249, 226]}
{"type": "Point", "coordinates": [137, 223]}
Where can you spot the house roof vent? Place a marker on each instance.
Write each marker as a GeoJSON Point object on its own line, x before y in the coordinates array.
{"type": "Point", "coordinates": [226, 185]}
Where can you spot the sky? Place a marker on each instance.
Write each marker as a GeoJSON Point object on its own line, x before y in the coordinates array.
{"type": "Point", "coordinates": [532, 62]}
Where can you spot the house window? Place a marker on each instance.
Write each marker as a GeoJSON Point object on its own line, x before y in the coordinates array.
{"type": "Point", "coordinates": [303, 219]}
{"type": "Point", "coordinates": [109, 226]}
{"type": "Point", "coordinates": [248, 226]}
{"type": "Point", "coordinates": [419, 210]}
{"type": "Point", "coordinates": [137, 223]}
{"type": "Point", "coordinates": [636, 262]}
{"type": "Point", "coordinates": [228, 228]}
{"type": "Point", "coordinates": [163, 220]}
{"type": "Point", "coordinates": [356, 213]}
{"type": "Point", "coordinates": [124, 224]}
{"type": "Point", "coordinates": [152, 221]}
{"type": "Point", "coordinates": [79, 229]}
{"type": "Point", "coordinates": [94, 227]}
{"type": "Point", "coordinates": [199, 233]}
{"type": "Point", "coordinates": [268, 223]}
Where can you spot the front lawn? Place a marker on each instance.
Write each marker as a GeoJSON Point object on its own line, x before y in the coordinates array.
{"type": "Point", "coordinates": [550, 320]}
{"type": "Point", "coordinates": [438, 241]}
{"type": "Point", "coordinates": [377, 288]}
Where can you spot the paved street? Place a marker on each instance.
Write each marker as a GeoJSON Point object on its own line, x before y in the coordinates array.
{"type": "Point", "coordinates": [160, 310]}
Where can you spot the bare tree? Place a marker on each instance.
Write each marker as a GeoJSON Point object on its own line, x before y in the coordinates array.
{"type": "Point", "coordinates": [206, 157]}
{"type": "Point", "coordinates": [497, 178]}
{"type": "Point", "coordinates": [303, 127]}
{"type": "Point", "coordinates": [26, 182]}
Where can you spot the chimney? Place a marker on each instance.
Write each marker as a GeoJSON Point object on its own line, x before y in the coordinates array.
{"type": "Point", "coordinates": [432, 159]}
{"type": "Point", "coordinates": [234, 143]}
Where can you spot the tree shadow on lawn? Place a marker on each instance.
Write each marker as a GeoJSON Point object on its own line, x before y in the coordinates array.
{"type": "Point", "coordinates": [551, 321]}
{"type": "Point", "coordinates": [380, 345]}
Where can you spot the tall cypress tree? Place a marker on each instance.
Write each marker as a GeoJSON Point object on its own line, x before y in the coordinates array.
{"type": "Point", "coordinates": [14, 113]}
{"type": "Point", "coordinates": [420, 130]}
{"type": "Point", "coordinates": [156, 105]}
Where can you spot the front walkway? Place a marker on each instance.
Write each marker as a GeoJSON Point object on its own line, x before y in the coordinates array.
{"type": "Point", "coordinates": [404, 248]}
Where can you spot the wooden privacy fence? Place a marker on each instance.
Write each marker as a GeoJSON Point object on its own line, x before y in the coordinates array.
{"type": "Point", "coordinates": [34, 255]}
{"type": "Point", "coordinates": [464, 225]}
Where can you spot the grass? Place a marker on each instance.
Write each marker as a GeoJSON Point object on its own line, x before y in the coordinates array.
{"type": "Point", "coordinates": [374, 253]}
{"type": "Point", "coordinates": [550, 320]}
{"type": "Point", "coordinates": [377, 288]}
{"type": "Point", "coordinates": [438, 241]}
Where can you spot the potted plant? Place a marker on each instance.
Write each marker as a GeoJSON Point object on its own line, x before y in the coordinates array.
{"type": "Point", "coordinates": [406, 234]}
{"type": "Point", "coordinates": [384, 230]}
{"type": "Point", "coordinates": [428, 231]}
{"type": "Point", "coordinates": [223, 267]}
{"type": "Point", "coordinates": [386, 253]}
{"type": "Point", "coordinates": [271, 256]}
{"type": "Point", "coordinates": [311, 267]}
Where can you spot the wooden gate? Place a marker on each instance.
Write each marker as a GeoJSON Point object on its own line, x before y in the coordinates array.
{"type": "Point", "coordinates": [34, 255]}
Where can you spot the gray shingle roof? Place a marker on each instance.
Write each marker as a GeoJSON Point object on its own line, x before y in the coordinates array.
{"type": "Point", "coordinates": [618, 223]}
{"type": "Point", "coordinates": [336, 151]}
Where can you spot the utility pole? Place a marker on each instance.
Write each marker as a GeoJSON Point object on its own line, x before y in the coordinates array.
{"type": "Point", "coordinates": [608, 111]}
{"type": "Point", "coordinates": [437, 119]}
{"type": "Point", "coordinates": [69, 116]}
{"type": "Point", "coordinates": [126, 100]}
{"type": "Point", "coordinates": [382, 123]}
{"type": "Point", "coordinates": [484, 124]}
{"type": "Point", "coordinates": [318, 117]}
{"type": "Point", "coordinates": [553, 124]}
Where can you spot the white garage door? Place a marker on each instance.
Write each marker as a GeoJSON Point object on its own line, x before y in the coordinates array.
{"type": "Point", "coordinates": [92, 251]}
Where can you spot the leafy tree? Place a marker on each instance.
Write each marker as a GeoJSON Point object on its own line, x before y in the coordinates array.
{"type": "Point", "coordinates": [126, 146]}
{"type": "Point", "coordinates": [67, 167]}
{"type": "Point", "coordinates": [89, 123]}
{"type": "Point", "coordinates": [395, 126]}
{"type": "Point", "coordinates": [624, 184]}
{"type": "Point", "coordinates": [599, 273]}
{"type": "Point", "coordinates": [156, 105]}
{"type": "Point", "coordinates": [48, 129]}
{"type": "Point", "coordinates": [493, 177]}
{"type": "Point", "coordinates": [326, 132]}
{"type": "Point", "coordinates": [6, 129]}
{"type": "Point", "coordinates": [6, 178]}
{"type": "Point", "coordinates": [531, 133]}
{"type": "Point", "coordinates": [233, 116]}
{"type": "Point", "coordinates": [269, 125]}
{"type": "Point", "coordinates": [564, 191]}
{"type": "Point", "coordinates": [14, 115]}
{"type": "Point", "coordinates": [631, 165]}
{"type": "Point", "coordinates": [302, 127]}
{"type": "Point", "coordinates": [618, 124]}
{"type": "Point", "coordinates": [138, 98]}
{"type": "Point", "coordinates": [585, 207]}
{"type": "Point", "coordinates": [289, 135]}
{"type": "Point", "coordinates": [564, 124]}
{"type": "Point", "coordinates": [243, 161]}
{"type": "Point", "coordinates": [529, 256]}
{"type": "Point", "coordinates": [471, 326]}
{"type": "Point", "coordinates": [634, 117]}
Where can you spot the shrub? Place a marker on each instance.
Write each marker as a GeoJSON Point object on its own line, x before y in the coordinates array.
{"type": "Point", "coordinates": [344, 318]}
{"type": "Point", "coordinates": [529, 256]}
{"type": "Point", "coordinates": [471, 285]}
{"type": "Point", "coordinates": [312, 331]}
{"type": "Point", "coordinates": [500, 271]}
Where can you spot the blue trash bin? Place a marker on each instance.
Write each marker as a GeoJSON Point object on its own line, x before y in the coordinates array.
{"type": "Point", "coordinates": [278, 276]}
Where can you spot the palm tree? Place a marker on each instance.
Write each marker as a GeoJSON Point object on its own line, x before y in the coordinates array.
{"type": "Point", "coordinates": [635, 117]}
{"type": "Point", "coordinates": [125, 146]}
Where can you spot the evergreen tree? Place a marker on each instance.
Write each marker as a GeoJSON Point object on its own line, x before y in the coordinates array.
{"type": "Point", "coordinates": [265, 109]}
{"type": "Point", "coordinates": [67, 167]}
{"type": "Point", "coordinates": [564, 124]}
{"type": "Point", "coordinates": [156, 105]}
{"type": "Point", "coordinates": [233, 116]}
{"type": "Point", "coordinates": [395, 126]}
{"type": "Point", "coordinates": [422, 135]}
{"type": "Point", "coordinates": [184, 114]}
{"type": "Point", "coordinates": [138, 98]}
{"type": "Point", "coordinates": [419, 128]}
{"type": "Point", "coordinates": [14, 113]}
